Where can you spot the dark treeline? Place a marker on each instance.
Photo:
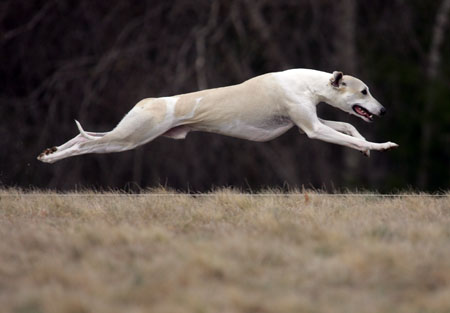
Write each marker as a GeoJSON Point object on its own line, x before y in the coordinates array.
{"type": "Point", "coordinates": [93, 60]}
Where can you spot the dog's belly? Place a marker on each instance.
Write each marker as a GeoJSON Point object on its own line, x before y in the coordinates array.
{"type": "Point", "coordinates": [251, 130]}
{"type": "Point", "coordinates": [253, 133]}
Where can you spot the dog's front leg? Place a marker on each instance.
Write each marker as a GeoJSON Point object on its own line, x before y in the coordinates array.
{"type": "Point", "coordinates": [342, 127]}
{"type": "Point", "coordinates": [323, 132]}
{"type": "Point", "coordinates": [347, 129]}
{"type": "Point", "coordinates": [305, 117]}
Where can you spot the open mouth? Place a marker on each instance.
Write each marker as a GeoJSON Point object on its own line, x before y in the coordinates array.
{"type": "Point", "coordinates": [362, 112]}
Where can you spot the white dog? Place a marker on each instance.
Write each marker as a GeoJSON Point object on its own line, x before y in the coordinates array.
{"type": "Point", "coordinates": [259, 109]}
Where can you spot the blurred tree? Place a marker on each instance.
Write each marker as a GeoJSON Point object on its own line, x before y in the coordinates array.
{"type": "Point", "coordinates": [429, 112]}
{"type": "Point", "coordinates": [92, 61]}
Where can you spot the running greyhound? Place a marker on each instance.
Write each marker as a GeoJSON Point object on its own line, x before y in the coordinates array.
{"type": "Point", "coordinates": [259, 109]}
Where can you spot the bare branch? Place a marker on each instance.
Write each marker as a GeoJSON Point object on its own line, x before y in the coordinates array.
{"type": "Point", "coordinates": [258, 22]}
{"type": "Point", "coordinates": [34, 21]}
{"type": "Point", "coordinates": [200, 44]}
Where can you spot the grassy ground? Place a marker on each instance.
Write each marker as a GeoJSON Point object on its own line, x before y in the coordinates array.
{"type": "Point", "coordinates": [223, 253]}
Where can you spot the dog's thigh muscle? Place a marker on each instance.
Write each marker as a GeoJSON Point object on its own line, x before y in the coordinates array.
{"type": "Point", "coordinates": [138, 127]}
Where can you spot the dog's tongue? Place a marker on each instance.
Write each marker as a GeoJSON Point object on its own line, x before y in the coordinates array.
{"type": "Point", "coordinates": [360, 111]}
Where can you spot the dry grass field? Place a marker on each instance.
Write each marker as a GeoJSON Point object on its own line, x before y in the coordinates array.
{"type": "Point", "coordinates": [224, 252]}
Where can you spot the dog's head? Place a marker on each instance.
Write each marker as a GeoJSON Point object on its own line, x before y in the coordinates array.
{"type": "Point", "coordinates": [353, 96]}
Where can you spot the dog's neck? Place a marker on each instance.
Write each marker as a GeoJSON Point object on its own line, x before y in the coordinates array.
{"type": "Point", "coordinates": [321, 87]}
{"type": "Point", "coordinates": [316, 85]}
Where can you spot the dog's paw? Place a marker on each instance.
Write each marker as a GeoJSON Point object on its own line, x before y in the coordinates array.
{"type": "Point", "coordinates": [390, 145]}
{"type": "Point", "coordinates": [46, 152]}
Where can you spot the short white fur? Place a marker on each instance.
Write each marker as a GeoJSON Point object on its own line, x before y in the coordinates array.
{"type": "Point", "coordinates": [259, 109]}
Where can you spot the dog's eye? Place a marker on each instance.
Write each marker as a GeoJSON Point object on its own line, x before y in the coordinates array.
{"type": "Point", "coordinates": [364, 91]}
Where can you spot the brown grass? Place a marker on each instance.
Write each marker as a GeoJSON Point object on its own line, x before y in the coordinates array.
{"type": "Point", "coordinates": [223, 253]}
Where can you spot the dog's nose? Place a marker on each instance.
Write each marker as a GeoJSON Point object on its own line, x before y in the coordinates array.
{"type": "Point", "coordinates": [383, 111]}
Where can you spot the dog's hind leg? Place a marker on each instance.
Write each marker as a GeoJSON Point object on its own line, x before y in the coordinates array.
{"type": "Point", "coordinates": [69, 148]}
{"type": "Point", "coordinates": [141, 125]}
{"type": "Point", "coordinates": [81, 137]}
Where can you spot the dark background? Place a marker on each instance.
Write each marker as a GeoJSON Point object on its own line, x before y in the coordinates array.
{"type": "Point", "coordinates": [93, 60]}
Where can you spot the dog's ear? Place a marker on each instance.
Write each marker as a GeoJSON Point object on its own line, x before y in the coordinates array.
{"type": "Point", "coordinates": [336, 79]}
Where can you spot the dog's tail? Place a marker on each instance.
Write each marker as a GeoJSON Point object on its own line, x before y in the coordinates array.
{"type": "Point", "coordinates": [83, 133]}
